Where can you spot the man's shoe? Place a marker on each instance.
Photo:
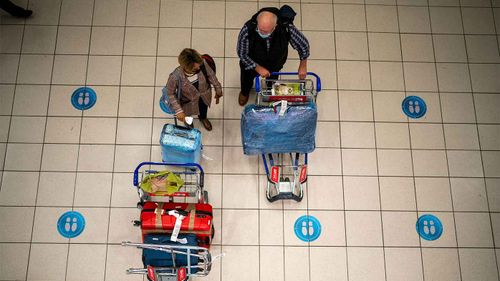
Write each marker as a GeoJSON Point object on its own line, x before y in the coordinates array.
{"type": "Point", "coordinates": [206, 123]}
{"type": "Point", "coordinates": [242, 99]}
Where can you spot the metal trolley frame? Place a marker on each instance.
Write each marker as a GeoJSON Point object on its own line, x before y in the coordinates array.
{"type": "Point", "coordinates": [286, 176]}
{"type": "Point", "coordinates": [191, 173]}
{"type": "Point", "coordinates": [174, 273]}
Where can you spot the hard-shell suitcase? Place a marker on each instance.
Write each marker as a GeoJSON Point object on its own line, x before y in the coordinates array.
{"type": "Point", "coordinates": [155, 218]}
{"type": "Point", "coordinates": [180, 144]}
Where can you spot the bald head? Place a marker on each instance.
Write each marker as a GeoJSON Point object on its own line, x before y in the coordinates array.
{"type": "Point", "coordinates": [266, 22]}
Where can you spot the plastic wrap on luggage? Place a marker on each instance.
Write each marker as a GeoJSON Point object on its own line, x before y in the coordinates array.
{"type": "Point", "coordinates": [180, 144]}
{"type": "Point", "coordinates": [263, 130]}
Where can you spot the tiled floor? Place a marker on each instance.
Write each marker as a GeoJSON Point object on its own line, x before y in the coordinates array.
{"type": "Point", "coordinates": [373, 172]}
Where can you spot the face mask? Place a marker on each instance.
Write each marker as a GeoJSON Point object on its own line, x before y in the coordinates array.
{"type": "Point", "coordinates": [263, 36]}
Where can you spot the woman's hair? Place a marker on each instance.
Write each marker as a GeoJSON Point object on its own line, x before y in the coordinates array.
{"type": "Point", "coordinates": [188, 57]}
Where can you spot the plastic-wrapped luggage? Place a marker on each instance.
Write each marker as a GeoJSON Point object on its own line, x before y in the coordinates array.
{"type": "Point", "coordinates": [198, 220]}
{"type": "Point", "coordinates": [180, 144]}
{"type": "Point", "coordinates": [264, 130]}
{"type": "Point", "coordinates": [157, 258]}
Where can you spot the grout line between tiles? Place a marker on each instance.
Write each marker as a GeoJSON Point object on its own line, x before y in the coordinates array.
{"type": "Point", "coordinates": [479, 143]}
{"type": "Point", "coordinates": [340, 145]}
{"type": "Point", "coordinates": [375, 142]}
{"type": "Point", "coordinates": [43, 146]}
{"type": "Point", "coordinates": [114, 149]}
{"type": "Point", "coordinates": [444, 134]}
{"type": "Point", "coordinates": [411, 149]}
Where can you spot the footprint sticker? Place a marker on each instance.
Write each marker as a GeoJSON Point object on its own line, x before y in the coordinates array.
{"type": "Point", "coordinates": [429, 227]}
{"type": "Point", "coordinates": [414, 107]}
{"type": "Point", "coordinates": [83, 98]}
{"type": "Point", "coordinates": [307, 228]}
{"type": "Point", "coordinates": [70, 224]}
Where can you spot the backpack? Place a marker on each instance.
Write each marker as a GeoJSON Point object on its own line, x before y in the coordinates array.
{"type": "Point", "coordinates": [165, 102]}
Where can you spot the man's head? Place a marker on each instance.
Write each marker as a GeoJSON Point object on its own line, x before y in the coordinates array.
{"type": "Point", "coordinates": [266, 23]}
{"type": "Point", "coordinates": [190, 61]}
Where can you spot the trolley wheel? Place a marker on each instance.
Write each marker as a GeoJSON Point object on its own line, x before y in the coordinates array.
{"type": "Point", "coordinates": [213, 232]}
{"type": "Point", "coordinates": [205, 196]}
{"type": "Point", "coordinates": [140, 205]}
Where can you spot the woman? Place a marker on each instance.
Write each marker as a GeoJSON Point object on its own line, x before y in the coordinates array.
{"type": "Point", "coordinates": [193, 78]}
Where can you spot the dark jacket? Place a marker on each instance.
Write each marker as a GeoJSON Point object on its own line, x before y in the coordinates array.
{"type": "Point", "coordinates": [275, 58]}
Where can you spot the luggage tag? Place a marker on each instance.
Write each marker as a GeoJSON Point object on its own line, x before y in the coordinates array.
{"type": "Point", "coordinates": [283, 108]}
{"type": "Point", "coordinates": [177, 227]}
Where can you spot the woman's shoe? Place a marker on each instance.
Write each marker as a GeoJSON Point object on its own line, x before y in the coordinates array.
{"type": "Point", "coordinates": [206, 123]}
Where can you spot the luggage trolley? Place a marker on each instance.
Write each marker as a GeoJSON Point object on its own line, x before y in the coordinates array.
{"type": "Point", "coordinates": [191, 174]}
{"type": "Point", "coordinates": [184, 213]}
{"type": "Point", "coordinates": [286, 172]}
{"type": "Point", "coordinates": [186, 261]}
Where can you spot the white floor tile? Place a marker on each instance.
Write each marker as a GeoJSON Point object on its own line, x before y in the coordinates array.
{"type": "Point", "coordinates": [349, 17]}
{"type": "Point", "coordinates": [488, 134]}
{"type": "Point", "coordinates": [97, 158]}
{"type": "Point", "coordinates": [397, 193]}
{"type": "Point", "coordinates": [86, 262]}
{"type": "Point", "coordinates": [56, 189]}
{"type": "Point", "coordinates": [26, 129]}
{"type": "Point", "coordinates": [322, 187]}
{"type": "Point", "coordinates": [35, 69]}
{"type": "Point", "coordinates": [14, 260]}
{"type": "Point", "coordinates": [121, 227]}
{"type": "Point", "coordinates": [478, 264]}
{"type": "Point", "coordinates": [60, 157]}
{"type": "Point", "coordinates": [358, 162]}
{"type": "Point", "coordinates": [473, 230]}
{"type": "Point", "coordinates": [403, 264]}
{"type": "Point", "coordinates": [236, 230]}
{"type": "Point", "coordinates": [24, 157]}
{"type": "Point", "coordinates": [13, 230]}
{"type": "Point", "coordinates": [109, 12]}
{"type": "Point", "coordinates": [93, 189]}
{"type": "Point", "coordinates": [441, 264]}
{"type": "Point", "coordinates": [73, 40]}
{"type": "Point", "coordinates": [96, 226]}
{"type": "Point", "coordinates": [399, 229]}
{"type": "Point", "coordinates": [106, 40]}
{"type": "Point", "coordinates": [247, 269]}
{"type": "Point", "coordinates": [39, 39]}
{"type": "Point", "coordinates": [366, 264]}
{"type": "Point", "coordinates": [208, 14]}
{"type": "Point", "coordinates": [469, 194]}
{"type": "Point", "coordinates": [270, 270]}
{"type": "Point", "coordinates": [361, 193]}
{"type": "Point", "coordinates": [83, 8]}
{"type": "Point", "coordinates": [62, 130]}
{"type": "Point", "coordinates": [47, 262]}
{"type": "Point", "coordinates": [19, 188]}
{"type": "Point", "coordinates": [297, 263]}
{"type": "Point", "coordinates": [356, 106]}
{"type": "Point", "coordinates": [491, 160]}
{"type": "Point", "coordinates": [363, 228]}
{"type": "Point", "coordinates": [45, 225]}
{"type": "Point", "coordinates": [140, 41]}
{"type": "Point", "coordinates": [240, 191]}
{"type": "Point", "coordinates": [357, 135]}
{"type": "Point", "coordinates": [143, 14]}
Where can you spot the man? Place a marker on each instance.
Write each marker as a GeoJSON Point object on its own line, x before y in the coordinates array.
{"type": "Point", "coordinates": [263, 46]}
{"type": "Point", "coordinates": [14, 10]}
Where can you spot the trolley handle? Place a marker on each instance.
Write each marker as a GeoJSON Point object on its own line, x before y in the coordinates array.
{"type": "Point", "coordinates": [136, 171]}
{"type": "Point", "coordinates": [318, 80]}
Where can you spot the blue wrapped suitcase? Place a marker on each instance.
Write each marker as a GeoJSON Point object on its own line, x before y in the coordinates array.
{"type": "Point", "coordinates": [180, 144]}
{"type": "Point", "coordinates": [264, 130]}
{"type": "Point", "coordinates": [157, 258]}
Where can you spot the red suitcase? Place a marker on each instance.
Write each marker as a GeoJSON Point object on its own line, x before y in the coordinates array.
{"type": "Point", "coordinates": [198, 220]}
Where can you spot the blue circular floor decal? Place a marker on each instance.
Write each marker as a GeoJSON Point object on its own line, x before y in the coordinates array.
{"type": "Point", "coordinates": [414, 107]}
{"type": "Point", "coordinates": [307, 228]}
{"type": "Point", "coordinates": [70, 224]}
{"type": "Point", "coordinates": [429, 227]}
{"type": "Point", "coordinates": [83, 98]}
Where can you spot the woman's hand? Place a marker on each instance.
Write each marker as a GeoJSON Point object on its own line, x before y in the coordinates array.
{"type": "Point", "coordinates": [217, 97]}
{"type": "Point", "coordinates": [181, 116]}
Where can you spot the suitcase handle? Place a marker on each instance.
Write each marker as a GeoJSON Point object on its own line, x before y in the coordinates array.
{"type": "Point", "coordinates": [318, 80]}
{"type": "Point", "coordinates": [193, 165]}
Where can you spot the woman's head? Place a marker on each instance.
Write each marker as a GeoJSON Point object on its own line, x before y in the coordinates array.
{"type": "Point", "coordinates": [190, 61]}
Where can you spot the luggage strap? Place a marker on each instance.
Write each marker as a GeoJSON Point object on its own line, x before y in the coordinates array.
{"type": "Point", "coordinates": [159, 211]}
